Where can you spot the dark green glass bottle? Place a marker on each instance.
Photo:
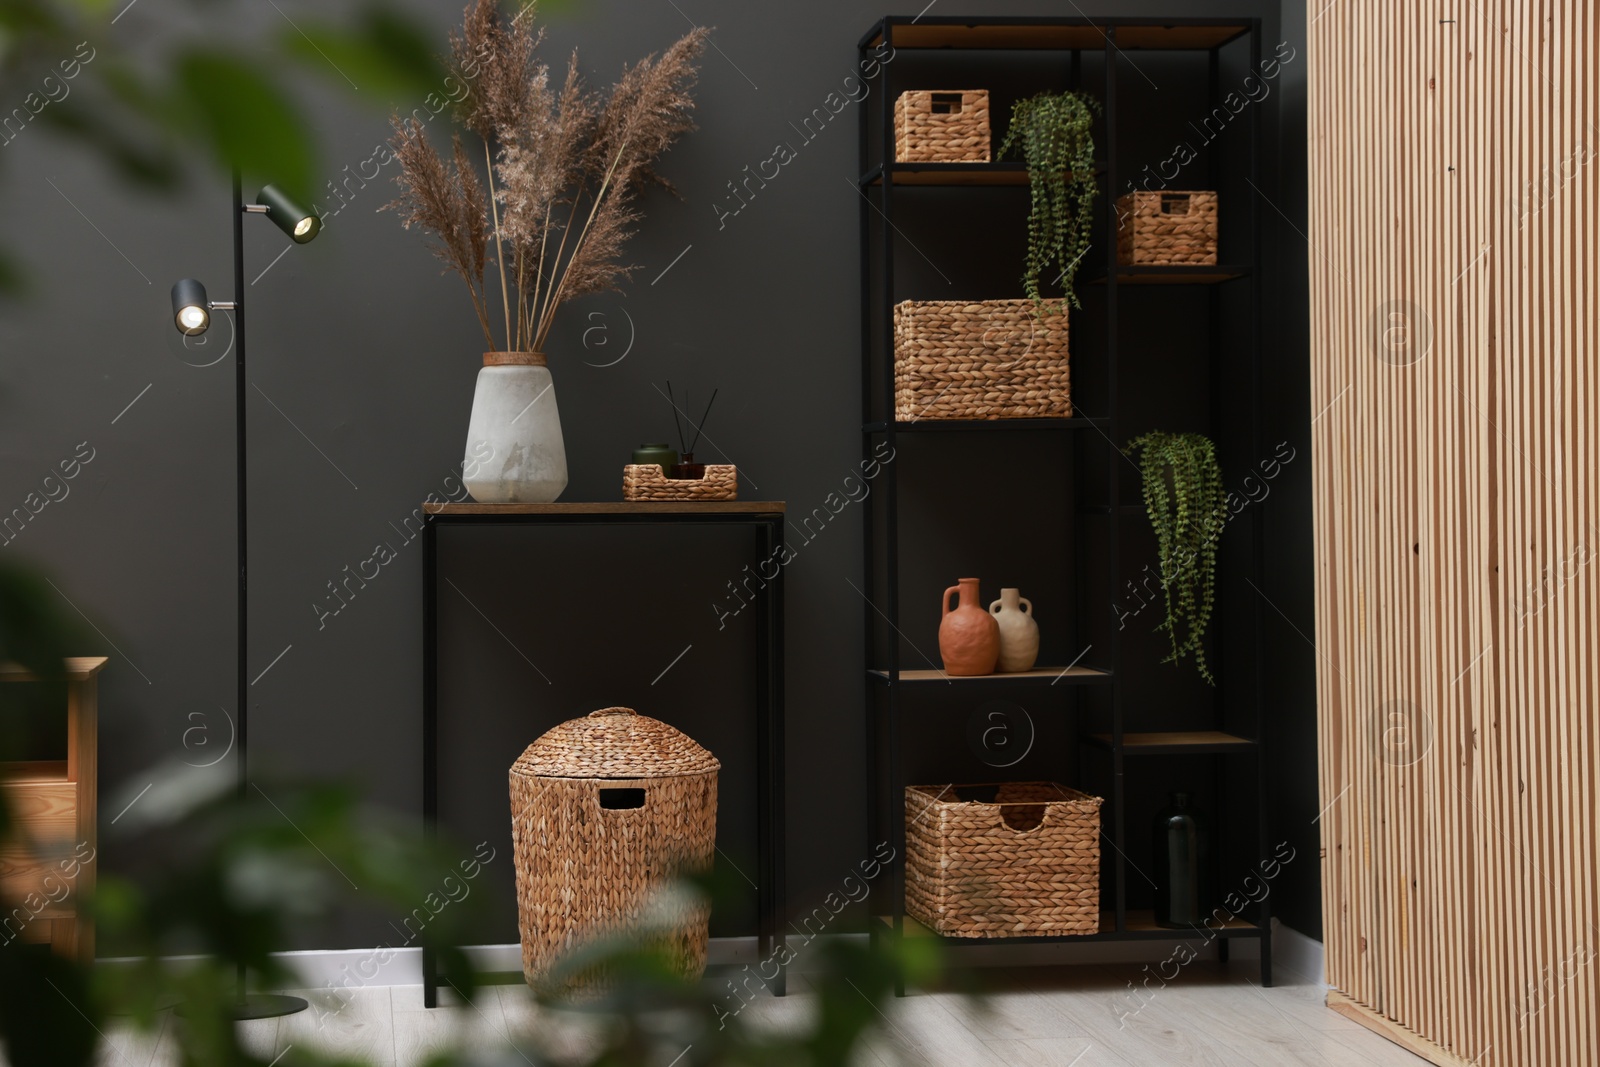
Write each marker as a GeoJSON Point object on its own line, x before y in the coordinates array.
{"type": "Point", "coordinates": [1181, 850]}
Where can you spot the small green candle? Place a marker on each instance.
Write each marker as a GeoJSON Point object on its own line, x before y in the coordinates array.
{"type": "Point", "coordinates": [659, 454]}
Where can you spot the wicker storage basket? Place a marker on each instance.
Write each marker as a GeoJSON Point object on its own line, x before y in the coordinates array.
{"type": "Point", "coordinates": [1013, 860]}
{"type": "Point", "coordinates": [646, 481]}
{"type": "Point", "coordinates": [1166, 229]}
{"type": "Point", "coordinates": [945, 126]}
{"type": "Point", "coordinates": [604, 810]}
{"type": "Point", "coordinates": [994, 359]}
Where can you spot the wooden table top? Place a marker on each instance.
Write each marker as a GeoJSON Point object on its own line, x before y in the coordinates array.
{"type": "Point", "coordinates": [79, 669]}
{"type": "Point", "coordinates": [614, 507]}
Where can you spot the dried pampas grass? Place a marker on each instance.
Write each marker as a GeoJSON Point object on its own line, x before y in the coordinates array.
{"type": "Point", "coordinates": [565, 168]}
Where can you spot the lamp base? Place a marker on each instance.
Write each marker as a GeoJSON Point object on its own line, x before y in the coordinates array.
{"type": "Point", "coordinates": [261, 1006]}
{"type": "Point", "coordinates": [267, 1006]}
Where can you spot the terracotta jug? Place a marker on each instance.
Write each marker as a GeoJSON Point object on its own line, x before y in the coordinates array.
{"type": "Point", "coordinates": [969, 638]}
{"type": "Point", "coordinates": [1019, 634]}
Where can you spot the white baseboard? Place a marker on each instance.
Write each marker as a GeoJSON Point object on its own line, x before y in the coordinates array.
{"type": "Point", "coordinates": [1294, 951]}
{"type": "Point", "coordinates": [352, 968]}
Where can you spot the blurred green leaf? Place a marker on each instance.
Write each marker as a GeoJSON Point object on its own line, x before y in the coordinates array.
{"type": "Point", "coordinates": [249, 121]}
{"type": "Point", "coordinates": [34, 634]}
{"type": "Point", "coordinates": [28, 16]}
{"type": "Point", "coordinates": [46, 1014]}
{"type": "Point", "coordinates": [143, 161]}
{"type": "Point", "coordinates": [12, 281]}
{"type": "Point", "coordinates": [92, 8]}
{"type": "Point", "coordinates": [384, 54]}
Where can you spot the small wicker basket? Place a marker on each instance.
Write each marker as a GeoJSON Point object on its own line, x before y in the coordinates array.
{"type": "Point", "coordinates": [945, 126]}
{"type": "Point", "coordinates": [1166, 228]}
{"type": "Point", "coordinates": [1013, 860]}
{"type": "Point", "coordinates": [646, 481]}
{"type": "Point", "coordinates": [605, 810]}
{"type": "Point", "coordinates": [992, 359]}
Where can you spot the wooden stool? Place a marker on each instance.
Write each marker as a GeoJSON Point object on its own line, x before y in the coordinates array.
{"type": "Point", "coordinates": [54, 804]}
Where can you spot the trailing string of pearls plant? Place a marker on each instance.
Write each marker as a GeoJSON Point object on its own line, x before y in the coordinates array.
{"type": "Point", "coordinates": [1053, 132]}
{"type": "Point", "coordinates": [1184, 498]}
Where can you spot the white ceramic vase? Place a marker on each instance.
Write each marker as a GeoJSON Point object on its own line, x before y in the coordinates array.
{"type": "Point", "coordinates": [1019, 634]}
{"type": "Point", "coordinates": [515, 453]}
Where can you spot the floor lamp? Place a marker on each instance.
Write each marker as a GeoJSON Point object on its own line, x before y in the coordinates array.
{"type": "Point", "coordinates": [191, 313]}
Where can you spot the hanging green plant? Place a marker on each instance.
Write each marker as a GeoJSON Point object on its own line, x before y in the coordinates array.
{"type": "Point", "coordinates": [1184, 498]}
{"type": "Point", "coordinates": [1053, 131]}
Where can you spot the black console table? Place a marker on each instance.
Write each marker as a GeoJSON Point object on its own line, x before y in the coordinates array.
{"type": "Point", "coordinates": [768, 516]}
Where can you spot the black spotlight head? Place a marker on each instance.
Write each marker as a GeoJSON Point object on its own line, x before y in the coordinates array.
{"type": "Point", "coordinates": [300, 224]}
{"type": "Point", "coordinates": [190, 310]}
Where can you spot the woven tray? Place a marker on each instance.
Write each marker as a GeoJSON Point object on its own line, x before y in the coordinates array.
{"type": "Point", "coordinates": [1026, 862]}
{"type": "Point", "coordinates": [1166, 228]}
{"type": "Point", "coordinates": [645, 481]}
{"type": "Point", "coordinates": [993, 359]}
{"type": "Point", "coordinates": [942, 126]}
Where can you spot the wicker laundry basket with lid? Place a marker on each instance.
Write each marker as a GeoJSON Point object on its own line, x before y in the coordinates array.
{"type": "Point", "coordinates": [605, 810]}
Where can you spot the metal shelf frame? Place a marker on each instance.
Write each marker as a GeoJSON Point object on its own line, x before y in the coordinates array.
{"type": "Point", "coordinates": [888, 687]}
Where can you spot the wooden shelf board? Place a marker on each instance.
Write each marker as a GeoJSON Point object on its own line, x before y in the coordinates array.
{"type": "Point", "coordinates": [1145, 922]}
{"type": "Point", "coordinates": [34, 771]}
{"type": "Point", "coordinates": [1177, 275]}
{"type": "Point", "coordinates": [1175, 742]}
{"type": "Point", "coordinates": [955, 174]}
{"type": "Point", "coordinates": [1053, 35]}
{"type": "Point", "coordinates": [1038, 676]}
{"type": "Point", "coordinates": [951, 174]}
{"type": "Point", "coordinates": [1141, 927]}
{"type": "Point", "coordinates": [614, 507]}
{"type": "Point", "coordinates": [986, 425]}
{"type": "Point", "coordinates": [79, 669]}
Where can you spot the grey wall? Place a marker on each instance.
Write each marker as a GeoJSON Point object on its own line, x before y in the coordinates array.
{"type": "Point", "coordinates": [1291, 659]}
{"type": "Point", "coordinates": [362, 364]}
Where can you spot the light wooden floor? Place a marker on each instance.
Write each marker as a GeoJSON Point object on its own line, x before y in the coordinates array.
{"type": "Point", "coordinates": [1209, 1016]}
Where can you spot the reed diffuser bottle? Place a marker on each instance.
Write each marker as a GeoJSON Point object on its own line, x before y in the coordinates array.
{"type": "Point", "coordinates": [686, 467]}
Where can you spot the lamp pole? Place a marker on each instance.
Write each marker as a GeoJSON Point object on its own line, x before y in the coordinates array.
{"type": "Point", "coordinates": [249, 1005]}
{"type": "Point", "coordinates": [241, 500]}
{"type": "Point", "coordinates": [192, 315]}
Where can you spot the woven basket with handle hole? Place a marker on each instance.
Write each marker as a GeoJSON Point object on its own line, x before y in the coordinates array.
{"type": "Point", "coordinates": [646, 481]}
{"type": "Point", "coordinates": [942, 126]}
{"type": "Point", "coordinates": [605, 810]}
{"type": "Point", "coordinates": [1018, 859]}
{"type": "Point", "coordinates": [1167, 228]}
{"type": "Point", "coordinates": [980, 359]}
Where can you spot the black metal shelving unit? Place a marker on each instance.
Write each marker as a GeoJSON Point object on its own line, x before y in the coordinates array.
{"type": "Point", "coordinates": [890, 687]}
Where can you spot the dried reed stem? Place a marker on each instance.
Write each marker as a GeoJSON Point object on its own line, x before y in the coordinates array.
{"type": "Point", "coordinates": [499, 249]}
{"type": "Point", "coordinates": [555, 295]}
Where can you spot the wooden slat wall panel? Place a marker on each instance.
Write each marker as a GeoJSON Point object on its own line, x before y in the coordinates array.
{"type": "Point", "coordinates": [1455, 309]}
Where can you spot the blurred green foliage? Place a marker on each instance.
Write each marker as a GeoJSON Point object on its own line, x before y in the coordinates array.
{"type": "Point", "coordinates": [218, 882]}
{"type": "Point", "coordinates": [221, 879]}
{"type": "Point", "coordinates": [149, 110]}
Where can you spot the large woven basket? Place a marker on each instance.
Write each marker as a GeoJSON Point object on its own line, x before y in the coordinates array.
{"type": "Point", "coordinates": [605, 810]}
{"type": "Point", "coordinates": [645, 481]}
{"type": "Point", "coordinates": [1014, 860]}
{"type": "Point", "coordinates": [944, 126]}
{"type": "Point", "coordinates": [1166, 228]}
{"type": "Point", "coordinates": [990, 359]}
